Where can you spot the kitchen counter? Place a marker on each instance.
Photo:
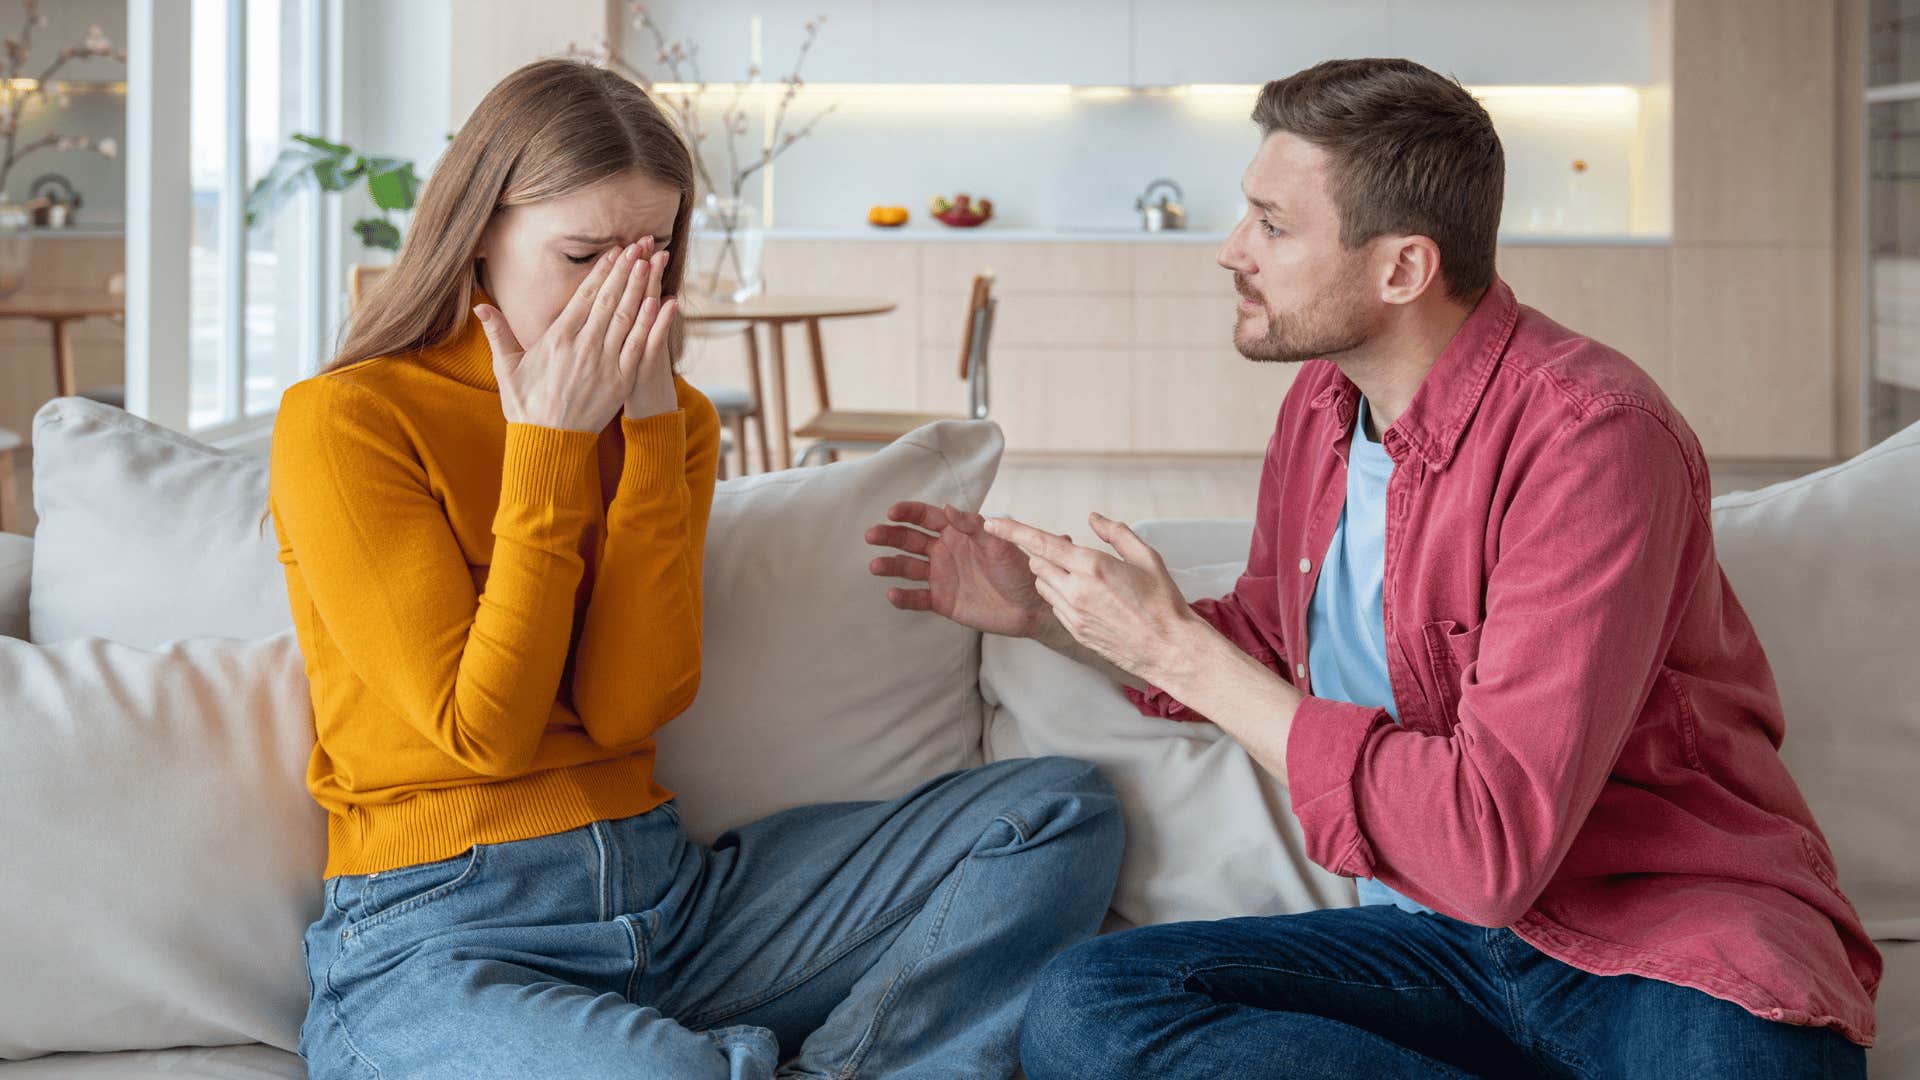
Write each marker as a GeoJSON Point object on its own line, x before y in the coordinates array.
{"type": "Point", "coordinates": [991, 233]}
{"type": "Point", "coordinates": [106, 230]}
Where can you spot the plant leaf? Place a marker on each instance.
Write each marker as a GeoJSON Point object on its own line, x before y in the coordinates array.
{"type": "Point", "coordinates": [328, 173]}
{"type": "Point", "coordinates": [393, 188]}
{"type": "Point", "coordinates": [331, 149]}
{"type": "Point", "coordinates": [290, 172]}
{"type": "Point", "coordinates": [378, 233]}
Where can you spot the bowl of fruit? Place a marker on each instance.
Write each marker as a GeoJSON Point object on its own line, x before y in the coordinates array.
{"type": "Point", "coordinates": [961, 211]}
{"type": "Point", "coordinates": [887, 217]}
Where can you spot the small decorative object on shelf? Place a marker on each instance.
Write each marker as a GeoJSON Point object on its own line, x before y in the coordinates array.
{"type": "Point", "coordinates": [887, 217]}
{"type": "Point", "coordinates": [725, 233]}
{"type": "Point", "coordinates": [961, 211]}
{"type": "Point", "coordinates": [17, 92]}
{"type": "Point", "coordinates": [53, 200]}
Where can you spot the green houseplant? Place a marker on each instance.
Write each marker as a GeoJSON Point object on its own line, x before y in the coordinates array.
{"type": "Point", "coordinates": [311, 160]}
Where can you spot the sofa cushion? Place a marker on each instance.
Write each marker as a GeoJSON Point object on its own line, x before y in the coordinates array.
{"type": "Point", "coordinates": [814, 688]}
{"type": "Point", "coordinates": [1208, 835]}
{"type": "Point", "coordinates": [250, 1062]}
{"type": "Point", "coordinates": [1825, 567]}
{"type": "Point", "coordinates": [16, 570]}
{"type": "Point", "coordinates": [163, 857]}
{"type": "Point", "coordinates": [146, 535]}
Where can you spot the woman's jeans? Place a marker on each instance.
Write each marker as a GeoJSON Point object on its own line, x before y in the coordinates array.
{"type": "Point", "coordinates": [861, 939]}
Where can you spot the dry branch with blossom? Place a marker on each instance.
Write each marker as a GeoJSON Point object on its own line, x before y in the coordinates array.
{"type": "Point", "coordinates": [681, 60]}
{"type": "Point", "coordinates": [15, 98]}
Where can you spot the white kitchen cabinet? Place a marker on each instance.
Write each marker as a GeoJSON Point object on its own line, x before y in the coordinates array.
{"type": "Point", "coordinates": [1481, 42]}
{"type": "Point", "coordinates": [1534, 42]}
{"type": "Point", "coordinates": [1079, 42]}
{"type": "Point", "coordinates": [1249, 41]}
{"type": "Point", "coordinates": [724, 29]}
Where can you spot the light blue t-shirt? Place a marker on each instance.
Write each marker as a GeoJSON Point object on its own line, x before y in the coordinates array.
{"type": "Point", "coordinates": [1346, 629]}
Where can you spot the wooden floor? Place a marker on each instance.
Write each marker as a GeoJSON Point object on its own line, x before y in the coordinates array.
{"type": "Point", "coordinates": [1056, 493]}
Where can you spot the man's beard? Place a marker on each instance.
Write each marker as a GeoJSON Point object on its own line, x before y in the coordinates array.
{"type": "Point", "coordinates": [1330, 324]}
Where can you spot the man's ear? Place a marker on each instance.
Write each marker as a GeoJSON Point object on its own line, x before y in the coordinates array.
{"type": "Point", "coordinates": [1415, 268]}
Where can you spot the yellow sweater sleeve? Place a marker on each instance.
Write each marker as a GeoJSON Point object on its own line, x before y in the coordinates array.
{"type": "Point", "coordinates": [638, 661]}
{"type": "Point", "coordinates": [475, 673]}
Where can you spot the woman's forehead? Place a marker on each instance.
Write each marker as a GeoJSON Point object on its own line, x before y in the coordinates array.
{"type": "Point", "coordinates": [624, 207]}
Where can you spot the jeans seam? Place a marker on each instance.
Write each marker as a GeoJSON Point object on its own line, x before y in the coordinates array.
{"type": "Point", "coordinates": [602, 901]}
{"type": "Point", "coordinates": [849, 1071]}
{"type": "Point", "coordinates": [333, 1006]}
{"type": "Point", "coordinates": [1219, 962]}
{"type": "Point", "coordinates": [1524, 1036]}
{"type": "Point", "coordinates": [702, 1020]}
{"type": "Point", "coordinates": [640, 953]}
{"type": "Point", "coordinates": [1179, 986]}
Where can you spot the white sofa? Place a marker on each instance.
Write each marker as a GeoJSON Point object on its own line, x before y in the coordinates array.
{"type": "Point", "coordinates": [160, 856]}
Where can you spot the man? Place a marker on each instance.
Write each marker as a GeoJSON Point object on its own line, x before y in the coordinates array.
{"type": "Point", "coordinates": [1483, 639]}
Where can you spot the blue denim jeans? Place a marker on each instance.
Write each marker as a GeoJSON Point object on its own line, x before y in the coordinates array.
{"type": "Point", "coordinates": [1381, 992]}
{"type": "Point", "coordinates": [863, 939]}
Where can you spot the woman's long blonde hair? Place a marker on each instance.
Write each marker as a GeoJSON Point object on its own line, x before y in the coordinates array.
{"type": "Point", "coordinates": [551, 128]}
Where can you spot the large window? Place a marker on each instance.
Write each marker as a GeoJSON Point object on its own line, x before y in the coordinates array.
{"type": "Point", "coordinates": [256, 78]}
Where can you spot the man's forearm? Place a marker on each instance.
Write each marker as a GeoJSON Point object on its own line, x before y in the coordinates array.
{"type": "Point", "coordinates": [1211, 675]}
{"type": "Point", "coordinates": [1055, 637]}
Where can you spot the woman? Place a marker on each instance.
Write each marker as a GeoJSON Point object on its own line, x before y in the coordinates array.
{"type": "Point", "coordinates": [496, 584]}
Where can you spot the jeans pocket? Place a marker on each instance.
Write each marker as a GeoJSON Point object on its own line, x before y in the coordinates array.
{"type": "Point", "coordinates": [373, 900]}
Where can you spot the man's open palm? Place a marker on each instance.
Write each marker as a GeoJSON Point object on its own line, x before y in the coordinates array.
{"type": "Point", "coordinates": [974, 578]}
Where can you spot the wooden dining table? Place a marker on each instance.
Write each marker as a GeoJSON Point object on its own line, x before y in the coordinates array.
{"type": "Point", "coordinates": [59, 309]}
{"type": "Point", "coordinates": [775, 312]}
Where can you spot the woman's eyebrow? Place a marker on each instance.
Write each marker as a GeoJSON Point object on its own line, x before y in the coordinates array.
{"type": "Point", "coordinates": [581, 238]}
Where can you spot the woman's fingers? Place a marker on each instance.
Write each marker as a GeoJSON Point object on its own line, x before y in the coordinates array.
{"type": "Point", "coordinates": [641, 338]}
{"type": "Point", "coordinates": [657, 335]}
{"type": "Point", "coordinates": [657, 272]}
{"type": "Point", "coordinates": [632, 351]}
{"type": "Point", "coordinates": [626, 317]}
{"type": "Point", "coordinates": [594, 332]}
{"type": "Point", "coordinates": [574, 315]}
{"type": "Point", "coordinates": [506, 349]}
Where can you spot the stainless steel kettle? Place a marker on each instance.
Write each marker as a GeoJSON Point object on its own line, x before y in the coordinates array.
{"type": "Point", "coordinates": [1167, 213]}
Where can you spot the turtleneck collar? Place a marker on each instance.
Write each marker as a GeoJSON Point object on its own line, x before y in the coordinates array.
{"type": "Point", "coordinates": [466, 357]}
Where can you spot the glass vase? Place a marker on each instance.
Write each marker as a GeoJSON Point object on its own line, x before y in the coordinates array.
{"type": "Point", "coordinates": [16, 247]}
{"type": "Point", "coordinates": [727, 244]}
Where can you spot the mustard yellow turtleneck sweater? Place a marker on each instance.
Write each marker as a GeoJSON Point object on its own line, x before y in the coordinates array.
{"type": "Point", "coordinates": [495, 617]}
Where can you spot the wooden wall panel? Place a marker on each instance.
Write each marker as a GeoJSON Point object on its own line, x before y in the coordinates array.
{"type": "Point", "coordinates": [26, 346]}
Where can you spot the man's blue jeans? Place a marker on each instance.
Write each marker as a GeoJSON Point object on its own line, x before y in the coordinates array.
{"type": "Point", "coordinates": [870, 939]}
{"type": "Point", "coordinates": [1380, 992]}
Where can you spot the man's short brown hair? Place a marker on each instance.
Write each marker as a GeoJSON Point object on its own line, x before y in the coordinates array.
{"type": "Point", "coordinates": [1411, 153]}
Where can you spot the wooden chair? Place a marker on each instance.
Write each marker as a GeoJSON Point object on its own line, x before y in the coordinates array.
{"type": "Point", "coordinates": [847, 429]}
{"type": "Point", "coordinates": [360, 278]}
{"type": "Point", "coordinates": [735, 405]}
{"type": "Point", "coordinates": [10, 445]}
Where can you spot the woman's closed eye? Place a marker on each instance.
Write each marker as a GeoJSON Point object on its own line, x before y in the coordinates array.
{"type": "Point", "coordinates": [581, 260]}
